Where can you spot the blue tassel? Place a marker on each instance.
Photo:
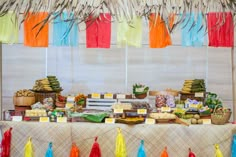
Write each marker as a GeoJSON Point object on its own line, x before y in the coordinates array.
{"type": "Point", "coordinates": [233, 149]}
{"type": "Point", "coordinates": [61, 34]}
{"type": "Point", "coordinates": [49, 152]}
{"type": "Point", "coordinates": [141, 150]}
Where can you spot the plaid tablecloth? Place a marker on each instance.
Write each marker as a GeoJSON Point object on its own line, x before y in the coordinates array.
{"type": "Point", "coordinates": [177, 138]}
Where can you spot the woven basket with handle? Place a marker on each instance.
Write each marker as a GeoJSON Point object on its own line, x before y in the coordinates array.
{"type": "Point", "coordinates": [219, 118]}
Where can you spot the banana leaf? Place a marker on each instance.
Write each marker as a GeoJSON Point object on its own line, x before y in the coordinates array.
{"type": "Point", "coordinates": [98, 118]}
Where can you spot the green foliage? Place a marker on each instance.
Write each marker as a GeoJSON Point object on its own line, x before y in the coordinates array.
{"type": "Point", "coordinates": [137, 87]}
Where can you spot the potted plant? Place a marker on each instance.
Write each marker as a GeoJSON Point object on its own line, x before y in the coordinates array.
{"type": "Point", "coordinates": [140, 91]}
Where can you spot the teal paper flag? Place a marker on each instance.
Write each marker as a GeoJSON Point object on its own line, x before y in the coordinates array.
{"type": "Point", "coordinates": [49, 152]}
{"type": "Point", "coordinates": [65, 32]}
{"type": "Point", "coordinates": [193, 30]}
{"type": "Point", "coordinates": [141, 150]}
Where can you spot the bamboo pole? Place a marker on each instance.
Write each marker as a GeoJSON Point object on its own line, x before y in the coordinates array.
{"type": "Point", "coordinates": [233, 84]}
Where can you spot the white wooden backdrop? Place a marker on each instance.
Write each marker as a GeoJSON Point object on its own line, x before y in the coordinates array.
{"type": "Point", "coordinates": [116, 69]}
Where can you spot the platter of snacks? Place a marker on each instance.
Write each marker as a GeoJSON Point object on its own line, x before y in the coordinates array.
{"type": "Point", "coordinates": [130, 120]}
{"type": "Point", "coordinates": [24, 97]}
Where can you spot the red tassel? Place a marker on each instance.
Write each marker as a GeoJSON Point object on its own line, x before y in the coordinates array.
{"type": "Point", "coordinates": [191, 154]}
{"type": "Point", "coordinates": [6, 144]}
{"type": "Point", "coordinates": [95, 151]}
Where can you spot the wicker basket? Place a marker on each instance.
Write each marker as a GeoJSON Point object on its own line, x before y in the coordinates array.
{"type": "Point", "coordinates": [228, 115]}
{"type": "Point", "coordinates": [40, 96]}
{"type": "Point", "coordinates": [219, 118]}
{"type": "Point", "coordinates": [23, 101]}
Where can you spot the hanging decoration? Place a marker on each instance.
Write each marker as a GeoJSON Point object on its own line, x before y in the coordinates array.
{"type": "Point", "coordinates": [220, 29]}
{"type": "Point", "coordinates": [141, 150]}
{"type": "Point", "coordinates": [159, 36]}
{"type": "Point", "coordinates": [120, 145]}
{"type": "Point", "coordinates": [28, 150]}
{"type": "Point", "coordinates": [218, 152]}
{"type": "Point", "coordinates": [95, 151]}
{"type": "Point", "coordinates": [74, 152]}
{"type": "Point", "coordinates": [61, 35]}
{"type": "Point", "coordinates": [191, 154]}
{"type": "Point", "coordinates": [6, 143]}
{"type": "Point", "coordinates": [98, 32]}
{"type": "Point", "coordinates": [164, 153]}
{"type": "Point", "coordinates": [129, 9]}
{"type": "Point", "coordinates": [34, 34]}
{"type": "Point", "coordinates": [49, 152]}
{"type": "Point", "coordinates": [129, 33]}
{"type": "Point", "coordinates": [193, 31]}
{"type": "Point", "coordinates": [9, 28]}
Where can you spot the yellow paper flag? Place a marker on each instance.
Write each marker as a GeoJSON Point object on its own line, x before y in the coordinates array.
{"type": "Point", "coordinates": [129, 33]}
{"type": "Point", "coordinates": [120, 145]}
{"type": "Point", "coordinates": [218, 152]}
{"type": "Point", "coordinates": [29, 152]}
{"type": "Point", "coordinates": [9, 31]}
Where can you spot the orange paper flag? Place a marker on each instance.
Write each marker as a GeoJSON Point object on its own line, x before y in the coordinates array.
{"type": "Point", "coordinates": [159, 36]}
{"type": "Point", "coordinates": [74, 152]}
{"type": "Point", "coordinates": [30, 33]}
{"type": "Point", "coordinates": [164, 153]}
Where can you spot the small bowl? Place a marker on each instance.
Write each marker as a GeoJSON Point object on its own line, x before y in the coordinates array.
{"type": "Point", "coordinates": [141, 96]}
{"type": "Point", "coordinates": [60, 104]}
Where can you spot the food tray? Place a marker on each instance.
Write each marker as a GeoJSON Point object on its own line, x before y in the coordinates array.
{"type": "Point", "coordinates": [7, 115]}
{"type": "Point", "coordinates": [125, 121]}
{"type": "Point", "coordinates": [43, 91]}
{"type": "Point", "coordinates": [165, 120]}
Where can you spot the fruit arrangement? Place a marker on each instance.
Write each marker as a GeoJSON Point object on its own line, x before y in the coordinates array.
{"type": "Point", "coordinates": [80, 99]}
{"type": "Point", "coordinates": [196, 119]}
{"type": "Point", "coordinates": [24, 93]}
{"type": "Point", "coordinates": [42, 85]}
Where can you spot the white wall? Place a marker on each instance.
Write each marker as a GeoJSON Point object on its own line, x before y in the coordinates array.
{"type": "Point", "coordinates": [104, 70]}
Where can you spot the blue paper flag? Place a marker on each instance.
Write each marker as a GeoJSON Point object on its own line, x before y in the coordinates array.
{"type": "Point", "coordinates": [49, 152]}
{"type": "Point", "coordinates": [141, 150]}
{"type": "Point", "coordinates": [233, 149]}
{"type": "Point", "coordinates": [193, 30]}
{"type": "Point", "coordinates": [61, 34]}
